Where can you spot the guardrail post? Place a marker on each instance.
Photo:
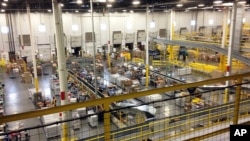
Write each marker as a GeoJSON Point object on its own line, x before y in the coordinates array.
{"type": "Point", "coordinates": [106, 122]}
{"type": "Point", "coordinates": [237, 101]}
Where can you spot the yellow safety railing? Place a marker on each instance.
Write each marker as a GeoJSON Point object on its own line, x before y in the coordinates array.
{"type": "Point", "coordinates": [138, 60]}
{"type": "Point", "coordinates": [230, 112]}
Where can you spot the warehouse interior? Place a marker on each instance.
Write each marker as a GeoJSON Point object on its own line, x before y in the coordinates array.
{"type": "Point", "coordinates": [130, 70]}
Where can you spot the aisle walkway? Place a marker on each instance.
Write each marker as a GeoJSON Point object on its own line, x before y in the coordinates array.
{"type": "Point", "coordinates": [17, 101]}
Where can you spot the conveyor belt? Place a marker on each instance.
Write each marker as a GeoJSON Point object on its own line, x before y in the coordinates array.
{"type": "Point", "coordinates": [211, 46]}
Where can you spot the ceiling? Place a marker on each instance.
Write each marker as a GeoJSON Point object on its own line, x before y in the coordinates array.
{"type": "Point", "coordinates": [117, 6]}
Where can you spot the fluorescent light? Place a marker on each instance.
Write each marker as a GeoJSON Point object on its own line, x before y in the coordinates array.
{"type": "Point", "coordinates": [76, 11]}
{"type": "Point", "coordinates": [179, 5]}
{"type": "Point", "coordinates": [49, 10]}
{"type": "Point", "coordinates": [109, 5]}
{"type": "Point", "coordinates": [193, 22]}
{"type": "Point", "coordinates": [136, 2]}
{"type": "Point", "coordinates": [201, 5]}
{"type": "Point", "coordinates": [5, 0]}
{"type": "Point", "coordinates": [192, 7]}
{"type": "Point", "coordinates": [4, 29]}
{"type": "Point", "coordinates": [79, 1]}
{"type": "Point", "coordinates": [2, 10]}
{"type": "Point", "coordinates": [211, 21]}
{"type": "Point", "coordinates": [61, 4]}
{"type": "Point", "coordinates": [129, 26]}
{"type": "Point", "coordinates": [152, 24]}
{"type": "Point", "coordinates": [111, 0]}
{"type": "Point", "coordinates": [100, 0]}
{"type": "Point", "coordinates": [244, 20]}
{"type": "Point", "coordinates": [4, 4]}
{"type": "Point", "coordinates": [218, 2]}
{"type": "Point", "coordinates": [42, 28]}
{"type": "Point", "coordinates": [242, 2]}
{"type": "Point", "coordinates": [103, 27]}
{"type": "Point", "coordinates": [219, 10]}
{"type": "Point", "coordinates": [124, 10]}
{"type": "Point", "coordinates": [75, 27]}
{"type": "Point", "coordinates": [228, 4]}
{"type": "Point", "coordinates": [174, 23]}
{"type": "Point", "coordinates": [131, 11]}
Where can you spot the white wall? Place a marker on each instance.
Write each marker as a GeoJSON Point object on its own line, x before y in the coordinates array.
{"type": "Point", "coordinates": [118, 22]}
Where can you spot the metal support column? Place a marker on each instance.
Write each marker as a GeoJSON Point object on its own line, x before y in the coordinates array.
{"type": "Point", "coordinates": [171, 49]}
{"type": "Point", "coordinates": [107, 125]}
{"type": "Point", "coordinates": [230, 48]}
{"type": "Point", "coordinates": [109, 60]}
{"type": "Point", "coordinates": [222, 65]}
{"type": "Point", "coordinates": [237, 102]}
{"type": "Point", "coordinates": [93, 41]}
{"type": "Point", "coordinates": [147, 55]}
{"type": "Point", "coordinates": [61, 66]}
{"type": "Point", "coordinates": [33, 51]}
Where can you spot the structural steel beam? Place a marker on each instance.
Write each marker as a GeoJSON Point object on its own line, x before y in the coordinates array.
{"type": "Point", "coordinates": [212, 46]}
{"type": "Point", "coordinates": [32, 114]}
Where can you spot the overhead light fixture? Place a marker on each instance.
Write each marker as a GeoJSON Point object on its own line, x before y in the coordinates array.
{"type": "Point", "coordinates": [129, 26]}
{"type": "Point", "coordinates": [228, 4]}
{"type": "Point", "coordinates": [193, 22]}
{"type": "Point", "coordinates": [75, 27]}
{"type": "Point", "coordinates": [179, 5]}
{"type": "Point", "coordinates": [49, 10]}
{"type": "Point", "coordinates": [61, 4]}
{"type": "Point", "coordinates": [4, 29]}
{"type": "Point", "coordinates": [201, 5]}
{"type": "Point", "coordinates": [131, 11]}
{"type": "Point", "coordinates": [79, 1]}
{"type": "Point", "coordinates": [5, 0]}
{"type": "Point", "coordinates": [242, 2]}
{"type": "Point", "coordinates": [219, 10]}
{"type": "Point", "coordinates": [42, 28]}
{"type": "Point", "coordinates": [244, 20]}
{"type": "Point", "coordinates": [136, 2]}
{"type": "Point", "coordinates": [124, 10]}
{"type": "Point", "coordinates": [103, 27]}
{"type": "Point", "coordinates": [192, 7]}
{"type": "Point", "coordinates": [99, 1]}
{"type": "Point", "coordinates": [109, 5]}
{"type": "Point", "coordinates": [217, 1]}
{"type": "Point", "coordinates": [208, 7]}
{"type": "Point", "coordinates": [89, 10]}
{"type": "Point", "coordinates": [111, 0]}
{"type": "Point", "coordinates": [76, 11]}
{"type": "Point", "coordinates": [4, 4]}
{"type": "Point", "coordinates": [175, 23]}
{"type": "Point", "coordinates": [211, 22]}
{"type": "Point", "coordinates": [2, 10]}
{"type": "Point", "coordinates": [152, 24]}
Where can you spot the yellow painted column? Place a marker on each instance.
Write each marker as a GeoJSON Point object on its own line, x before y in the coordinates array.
{"type": "Point", "coordinates": [107, 125]}
{"type": "Point", "coordinates": [171, 53]}
{"type": "Point", "coordinates": [64, 132]}
{"type": "Point", "coordinates": [222, 65]}
{"type": "Point", "coordinates": [36, 82]}
{"type": "Point", "coordinates": [237, 102]}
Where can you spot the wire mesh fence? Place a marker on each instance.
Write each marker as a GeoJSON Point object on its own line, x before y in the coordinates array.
{"type": "Point", "coordinates": [153, 117]}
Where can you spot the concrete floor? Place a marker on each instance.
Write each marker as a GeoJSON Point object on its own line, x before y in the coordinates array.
{"type": "Point", "coordinates": [18, 101]}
